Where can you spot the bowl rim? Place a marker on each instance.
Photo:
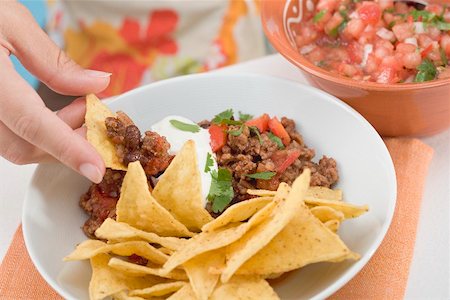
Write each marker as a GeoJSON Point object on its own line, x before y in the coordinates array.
{"type": "Point", "coordinates": [289, 53]}
{"type": "Point", "coordinates": [348, 274]}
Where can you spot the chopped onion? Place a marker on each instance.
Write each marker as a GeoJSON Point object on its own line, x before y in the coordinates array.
{"type": "Point", "coordinates": [418, 27]}
{"type": "Point", "coordinates": [354, 15]}
{"type": "Point", "coordinates": [368, 48]}
{"type": "Point", "coordinates": [412, 41]}
{"type": "Point", "coordinates": [386, 34]}
{"type": "Point", "coordinates": [307, 49]}
{"type": "Point", "coordinates": [409, 79]}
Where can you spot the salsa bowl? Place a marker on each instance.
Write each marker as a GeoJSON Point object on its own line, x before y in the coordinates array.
{"type": "Point", "coordinates": [401, 109]}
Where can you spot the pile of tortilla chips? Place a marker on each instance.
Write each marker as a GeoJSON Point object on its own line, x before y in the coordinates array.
{"type": "Point", "coordinates": [192, 256]}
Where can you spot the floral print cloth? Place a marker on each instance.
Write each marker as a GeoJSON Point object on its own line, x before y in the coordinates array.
{"type": "Point", "coordinates": [148, 40]}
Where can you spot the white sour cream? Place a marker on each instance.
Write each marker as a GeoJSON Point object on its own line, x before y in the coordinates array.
{"type": "Point", "coordinates": [177, 138]}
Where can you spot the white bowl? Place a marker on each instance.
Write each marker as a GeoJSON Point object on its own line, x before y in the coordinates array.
{"type": "Point", "coordinates": [52, 217]}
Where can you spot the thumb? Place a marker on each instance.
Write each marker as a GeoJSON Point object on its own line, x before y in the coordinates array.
{"type": "Point", "coordinates": [42, 57]}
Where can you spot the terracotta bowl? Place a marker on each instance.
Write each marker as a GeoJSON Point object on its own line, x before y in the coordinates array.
{"type": "Point", "coordinates": [407, 109]}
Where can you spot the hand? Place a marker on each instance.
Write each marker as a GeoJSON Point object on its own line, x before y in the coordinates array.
{"type": "Point", "coordinates": [30, 132]}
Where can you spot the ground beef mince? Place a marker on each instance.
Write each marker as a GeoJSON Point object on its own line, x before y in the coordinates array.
{"type": "Point", "coordinates": [249, 153]}
{"type": "Point", "coordinates": [99, 202]}
{"type": "Point", "coordinates": [151, 149]}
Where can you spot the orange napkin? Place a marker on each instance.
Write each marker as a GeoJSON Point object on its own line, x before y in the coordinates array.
{"type": "Point", "coordinates": [384, 277]}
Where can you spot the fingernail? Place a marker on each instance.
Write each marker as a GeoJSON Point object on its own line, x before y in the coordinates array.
{"type": "Point", "coordinates": [97, 74]}
{"type": "Point", "coordinates": [91, 172]}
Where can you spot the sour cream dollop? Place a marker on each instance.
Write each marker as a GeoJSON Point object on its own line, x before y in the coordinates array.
{"type": "Point", "coordinates": [177, 138]}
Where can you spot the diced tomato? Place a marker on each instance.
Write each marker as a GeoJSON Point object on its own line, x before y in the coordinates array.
{"type": "Point", "coordinates": [387, 75]}
{"type": "Point", "coordinates": [354, 28]}
{"type": "Point", "coordinates": [403, 31]}
{"type": "Point", "coordinates": [355, 52]}
{"type": "Point", "coordinates": [218, 136]}
{"type": "Point", "coordinates": [284, 158]}
{"type": "Point", "coordinates": [370, 13]}
{"type": "Point", "coordinates": [410, 19]}
{"type": "Point", "coordinates": [411, 60]}
{"type": "Point", "coordinates": [262, 122]}
{"type": "Point", "coordinates": [427, 50]}
{"type": "Point", "coordinates": [277, 128]}
{"type": "Point", "coordinates": [445, 44]}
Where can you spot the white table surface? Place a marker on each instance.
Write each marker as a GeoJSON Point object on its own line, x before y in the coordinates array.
{"type": "Point", "coordinates": [429, 275]}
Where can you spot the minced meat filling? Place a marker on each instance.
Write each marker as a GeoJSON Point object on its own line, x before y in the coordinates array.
{"type": "Point", "coordinates": [151, 149]}
{"type": "Point", "coordinates": [248, 154]}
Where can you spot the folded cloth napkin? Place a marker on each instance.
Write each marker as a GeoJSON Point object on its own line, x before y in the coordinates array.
{"type": "Point", "coordinates": [384, 277]}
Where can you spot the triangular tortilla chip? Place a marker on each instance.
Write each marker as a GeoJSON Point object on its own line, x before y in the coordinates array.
{"type": "Point", "coordinates": [184, 293]}
{"type": "Point", "coordinates": [244, 287]}
{"type": "Point", "coordinates": [115, 232]}
{"type": "Point", "coordinates": [161, 289]}
{"type": "Point", "coordinates": [91, 248]}
{"type": "Point", "coordinates": [138, 208]}
{"type": "Point", "coordinates": [197, 269]}
{"type": "Point", "coordinates": [179, 189]}
{"type": "Point", "coordinates": [96, 113]}
{"type": "Point", "coordinates": [303, 241]}
{"type": "Point", "coordinates": [106, 281]}
{"type": "Point", "coordinates": [254, 240]}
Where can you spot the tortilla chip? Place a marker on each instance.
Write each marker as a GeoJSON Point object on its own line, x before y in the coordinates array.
{"type": "Point", "coordinates": [207, 241]}
{"type": "Point", "coordinates": [326, 213]}
{"type": "Point", "coordinates": [254, 240]}
{"type": "Point", "coordinates": [238, 212]}
{"type": "Point", "coordinates": [96, 113]}
{"type": "Point", "coordinates": [244, 287]}
{"type": "Point", "coordinates": [138, 270]}
{"type": "Point", "coordinates": [261, 193]}
{"type": "Point", "coordinates": [160, 289]}
{"type": "Point", "coordinates": [349, 210]}
{"type": "Point", "coordinates": [179, 189]}
{"type": "Point", "coordinates": [106, 281]}
{"type": "Point", "coordinates": [114, 231]}
{"type": "Point", "coordinates": [324, 193]}
{"type": "Point", "coordinates": [124, 296]}
{"type": "Point", "coordinates": [138, 208]}
{"type": "Point", "coordinates": [303, 241]}
{"type": "Point", "coordinates": [91, 248]}
{"type": "Point", "coordinates": [197, 269]}
{"type": "Point", "coordinates": [185, 293]}
{"type": "Point", "coordinates": [333, 225]}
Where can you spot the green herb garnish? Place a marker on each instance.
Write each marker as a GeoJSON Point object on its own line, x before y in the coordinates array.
{"type": "Point", "coordinates": [342, 26]}
{"type": "Point", "coordinates": [317, 17]}
{"type": "Point", "coordinates": [236, 132]}
{"type": "Point", "coordinates": [262, 175]}
{"type": "Point", "coordinates": [225, 115]}
{"type": "Point", "coordinates": [427, 71]}
{"type": "Point", "coordinates": [209, 162]}
{"type": "Point", "coordinates": [423, 15]}
{"type": "Point", "coordinates": [221, 191]}
{"type": "Point", "coordinates": [244, 117]}
{"type": "Point", "coordinates": [441, 25]}
{"type": "Point", "coordinates": [185, 126]}
{"type": "Point", "coordinates": [391, 24]}
{"type": "Point", "coordinates": [256, 131]}
{"type": "Point", "coordinates": [389, 10]}
{"type": "Point", "coordinates": [276, 140]}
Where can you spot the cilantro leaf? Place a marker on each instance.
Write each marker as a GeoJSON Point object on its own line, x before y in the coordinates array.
{"type": "Point", "coordinates": [442, 25]}
{"type": "Point", "coordinates": [236, 132]}
{"type": "Point", "coordinates": [225, 115]}
{"type": "Point", "coordinates": [262, 175]}
{"type": "Point", "coordinates": [276, 140]}
{"type": "Point", "coordinates": [185, 126]}
{"type": "Point", "coordinates": [422, 15]}
{"type": "Point", "coordinates": [427, 71]}
{"type": "Point", "coordinates": [317, 17]}
{"type": "Point", "coordinates": [256, 131]}
{"type": "Point", "coordinates": [209, 162]}
{"type": "Point", "coordinates": [221, 191]}
{"type": "Point", "coordinates": [244, 117]}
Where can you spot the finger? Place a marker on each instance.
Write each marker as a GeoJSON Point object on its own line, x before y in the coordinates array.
{"type": "Point", "coordinates": [73, 114]}
{"type": "Point", "coordinates": [31, 120]}
{"type": "Point", "coordinates": [17, 150]}
{"type": "Point", "coordinates": [42, 57]}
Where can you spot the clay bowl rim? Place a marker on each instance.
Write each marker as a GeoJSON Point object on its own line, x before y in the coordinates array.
{"type": "Point", "coordinates": [297, 59]}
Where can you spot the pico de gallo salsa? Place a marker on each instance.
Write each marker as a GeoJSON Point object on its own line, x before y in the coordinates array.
{"type": "Point", "coordinates": [378, 41]}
